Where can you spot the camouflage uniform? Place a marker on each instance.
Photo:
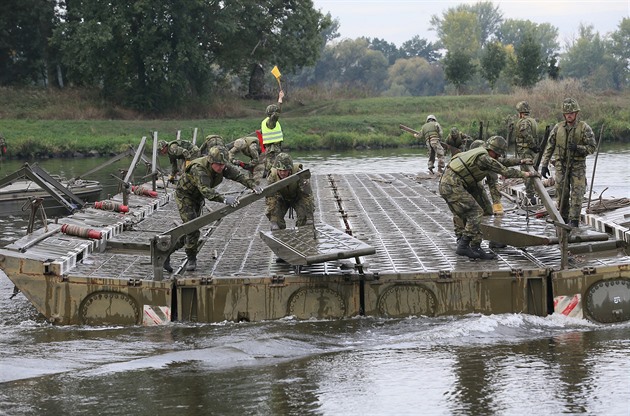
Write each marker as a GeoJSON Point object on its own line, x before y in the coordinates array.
{"type": "Point", "coordinates": [180, 150]}
{"type": "Point", "coordinates": [570, 143]}
{"type": "Point", "coordinates": [527, 144]}
{"type": "Point", "coordinates": [250, 147]}
{"type": "Point", "coordinates": [458, 139]}
{"type": "Point", "coordinates": [211, 141]}
{"type": "Point", "coordinates": [492, 180]}
{"type": "Point", "coordinates": [298, 196]}
{"type": "Point", "coordinates": [432, 134]}
{"type": "Point", "coordinates": [198, 182]}
{"type": "Point", "coordinates": [460, 187]}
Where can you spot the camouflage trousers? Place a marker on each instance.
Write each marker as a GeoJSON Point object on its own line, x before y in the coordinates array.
{"type": "Point", "coordinates": [277, 208]}
{"type": "Point", "coordinates": [271, 151]}
{"type": "Point", "coordinates": [189, 209]}
{"type": "Point", "coordinates": [435, 149]}
{"type": "Point", "coordinates": [571, 207]}
{"type": "Point", "coordinates": [530, 189]}
{"type": "Point", "coordinates": [467, 212]}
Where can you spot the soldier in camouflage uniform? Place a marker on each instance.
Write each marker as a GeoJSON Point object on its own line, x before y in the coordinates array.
{"type": "Point", "coordinates": [492, 179]}
{"type": "Point", "coordinates": [197, 184]}
{"type": "Point", "coordinates": [272, 135]}
{"type": "Point", "coordinates": [458, 140]}
{"type": "Point", "coordinates": [250, 147]}
{"type": "Point", "coordinates": [571, 141]}
{"type": "Point", "coordinates": [298, 196]}
{"type": "Point", "coordinates": [460, 187]}
{"type": "Point", "coordinates": [527, 143]}
{"type": "Point", "coordinates": [211, 141]}
{"type": "Point", "coordinates": [431, 132]}
{"type": "Point", "coordinates": [178, 151]}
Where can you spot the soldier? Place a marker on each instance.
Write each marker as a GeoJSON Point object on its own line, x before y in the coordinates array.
{"type": "Point", "coordinates": [298, 196]}
{"type": "Point", "coordinates": [272, 133]}
{"type": "Point", "coordinates": [211, 141]}
{"type": "Point", "coordinates": [527, 143]}
{"type": "Point", "coordinates": [178, 150]}
{"type": "Point", "coordinates": [571, 141]}
{"type": "Point", "coordinates": [460, 188]}
{"type": "Point", "coordinates": [198, 182]}
{"type": "Point", "coordinates": [432, 132]}
{"type": "Point", "coordinates": [250, 147]}
{"type": "Point", "coordinates": [492, 179]}
{"type": "Point", "coordinates": [458, 139]}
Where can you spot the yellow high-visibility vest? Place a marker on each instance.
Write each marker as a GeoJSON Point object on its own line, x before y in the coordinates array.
{"type": "Point", "coordinates": [271, 135]}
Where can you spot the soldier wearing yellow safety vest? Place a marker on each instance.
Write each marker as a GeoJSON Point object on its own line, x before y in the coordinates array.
{"type": "Point", "coordinates": [272, 133]}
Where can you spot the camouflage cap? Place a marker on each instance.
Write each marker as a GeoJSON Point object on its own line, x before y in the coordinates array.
{"type": "Point", "coordinates": [570, 105]}
{"type": "Point", "coordinates": [283, 162]}
{"type": "Point", "coordinates": [522, 107]}
{"type": "Point", "coordinates": [498, 145]}
{"type": "Point", "coordinates": [431, 117]}
{"type": "Point", "coordinates": [272, 108]}
{"type": "Point", "coordinates": [214, 140]}
{"type": "Point", "coordinates": [454, 131]}
{"type": "Point", "coordinates": [477, 143]}
{"type": "Point", "coordinates": [217, 154]}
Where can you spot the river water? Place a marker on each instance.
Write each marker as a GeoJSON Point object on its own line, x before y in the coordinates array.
{"type": "Point", "coordinates": [507, 364]}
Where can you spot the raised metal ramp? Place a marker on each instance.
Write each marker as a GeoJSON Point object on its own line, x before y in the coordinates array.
{"type": "Point", "coordinates": [317, 244]}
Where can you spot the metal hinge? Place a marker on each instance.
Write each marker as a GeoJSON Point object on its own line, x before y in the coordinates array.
{"type": "Point", "coordinates": [444, 274]}
{"type": "Point", "coordinates": [589, 270]}
{"type": "Point", "coordinates": [277, 279]}
{"type": "Point", "coordinates": [134, 282]}
{"type": "Point", "coordinates": [205, 280]}
{"type": "Point", "coordinates": [516, 272]}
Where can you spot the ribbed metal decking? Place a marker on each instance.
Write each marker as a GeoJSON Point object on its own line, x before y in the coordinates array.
{"type": "Point", "coordinates": [404, 219]}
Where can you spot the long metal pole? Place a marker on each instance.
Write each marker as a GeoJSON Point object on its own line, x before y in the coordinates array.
{"type": "Point", "coordinates": [590, 191]}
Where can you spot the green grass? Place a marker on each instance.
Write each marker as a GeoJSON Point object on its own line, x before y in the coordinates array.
{"type": "Point", "coordinates": [39, 123]}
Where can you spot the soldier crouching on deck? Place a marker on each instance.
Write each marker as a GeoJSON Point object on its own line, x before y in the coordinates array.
{"type": "Point", "coordinates": [460, 186]}
{"type": "Point", "coordinates": [297, 196]}
{"type": "Point", "coordinates": [197, 184]}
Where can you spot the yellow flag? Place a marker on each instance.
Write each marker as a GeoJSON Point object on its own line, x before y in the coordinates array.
{"type": "Point", "coordinates": [276, 72]}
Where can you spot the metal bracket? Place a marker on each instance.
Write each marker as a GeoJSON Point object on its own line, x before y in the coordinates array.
{"type": "Point", "coordinates": [444, 274]}
{"type": "Point", "coordinates": [134, 282]}
{"type": "Point", "coordinates": [588, 270]}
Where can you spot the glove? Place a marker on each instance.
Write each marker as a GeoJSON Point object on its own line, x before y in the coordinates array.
{"type": "Point", "coordinates": [527, 162]}
{"type": "Point", "coordinates": [573, 147]}
{"type": "Point", "coordinates": [257, 190]}
{"type": "Point", "coordinates": [231, 201]}
{"type": "Point", "coordinates": [171, 179]}
{"type": "Point", "coordinates": [186, 154]}
{"type": "Point", "coordinates": [544, 171]}
{"type": "Point", "coordinates": [534, 149]}
{"type": "Point", "coordinates": [248, 167]}
{"type": "Point", "coordinates": [532, 174]}
{"type": "Point", "coordinates": [497, 208]}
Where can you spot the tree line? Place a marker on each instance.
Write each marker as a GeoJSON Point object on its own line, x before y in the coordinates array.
{"type": "Point", "coordinates": [160, 55]}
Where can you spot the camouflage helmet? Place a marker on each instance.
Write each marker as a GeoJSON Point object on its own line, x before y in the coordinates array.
{"type": "Point", "coordinates": [214, 140]}
{"type": "Point", "coordinates": [239, 144]}
{"type": "Point", "coordinates": [522, 107]}
{"type": "Point", "coordinates": [431, 117]}
{"type": "Point", "coordinates": [162, 144]}
{"type": "Point", "coordinates": [283, 162]}
{"type": "Point", "coordinates": [476, 144]}
{"type": "Point", "coordinates": [497, 144]}
{"type": "Point", "coordinates": [454, 131]}
{"type": "Point", "coordinates": [217, 154]}
{"type": "Point", "coordinates": [570, 105]}
{"type": "Point", "coordinates": [272, 108]}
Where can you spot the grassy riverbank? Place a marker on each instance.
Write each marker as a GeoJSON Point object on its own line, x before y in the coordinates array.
{"type": "Point", "coordinates": [39, 123]}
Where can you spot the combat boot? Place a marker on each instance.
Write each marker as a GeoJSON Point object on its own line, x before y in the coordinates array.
{"type": "Point", "coordinates": [431, 170]}
{"type": "Point", "coordinates": [463, 248]}
{"type": "Point", "coordinates": [191, 265]}
{"type": "Point", "coordinates": [482, 254]}
{"type": "Point", "coordinates": [574, 223]}
{"type": "Point", "coordinates": [167, 265]}
{"type": "Point", "coordinates": [533, 201]}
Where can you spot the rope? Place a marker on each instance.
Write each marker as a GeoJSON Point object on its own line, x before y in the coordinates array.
{"type": "Point", "coordinates": [603, 205]}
